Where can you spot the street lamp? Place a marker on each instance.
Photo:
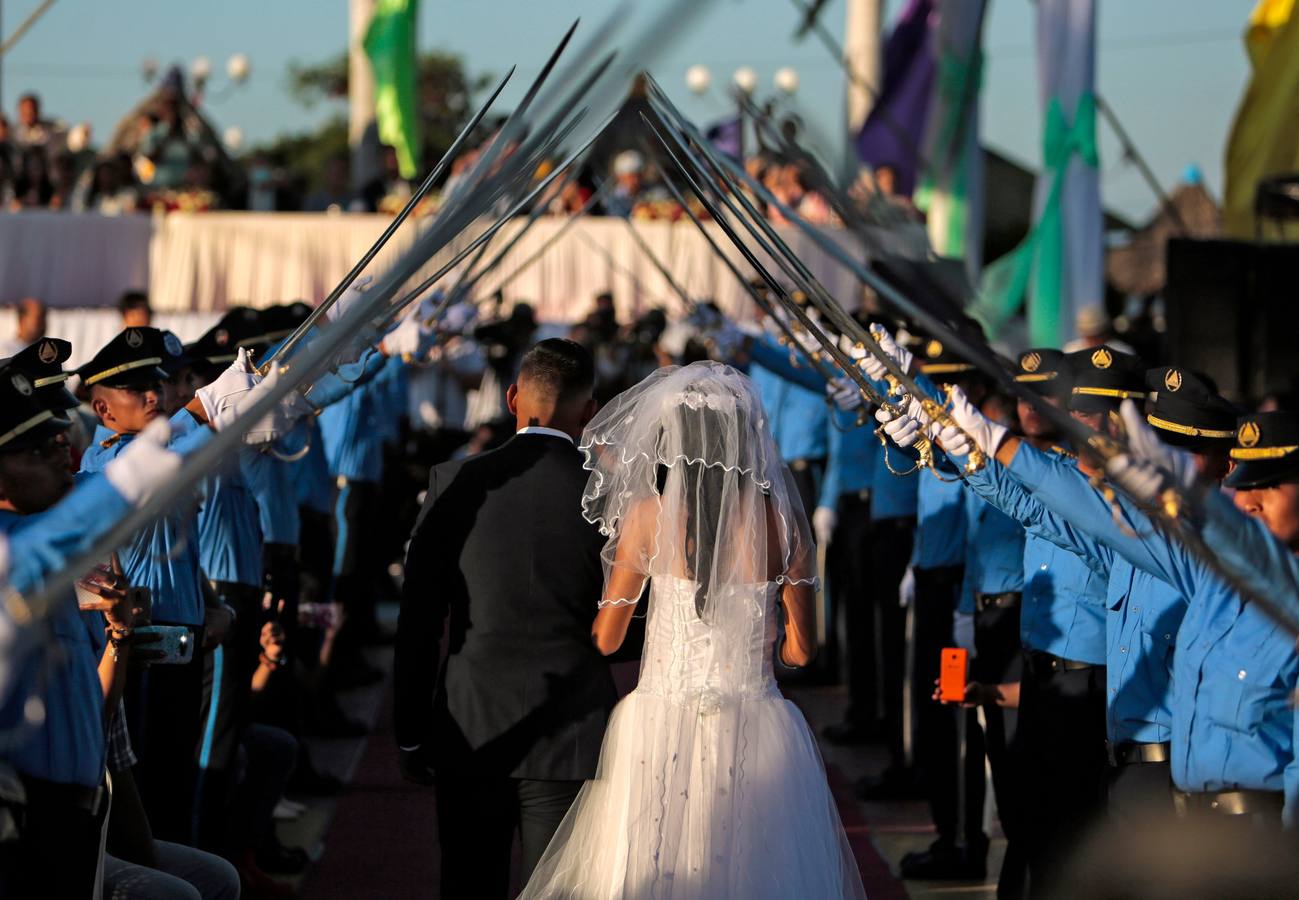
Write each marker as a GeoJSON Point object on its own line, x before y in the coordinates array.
{"type": "Point", "coordinates": [698, 78]}
{"type": "Point", "coordinates": [745, 80]}
{"type": "Point", "coordinates": [786, 80]}
{"type": "Point", "coordinates": [200, 70]}
{"type": "Point", "coordinates": [238, 68]}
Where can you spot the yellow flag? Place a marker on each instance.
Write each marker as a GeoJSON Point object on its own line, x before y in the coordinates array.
{"type": "Point", "coordinates": [1265, 136]}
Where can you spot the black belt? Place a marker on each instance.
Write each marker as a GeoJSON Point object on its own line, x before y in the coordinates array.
{"type": "Point", "coordinates": [87, 799]}
{"type": "Point", "coordinates": [1127, 753]}
{"type": "Point", "coordinates": [1040, 659]}
{"type": "Point", "coordinates": [856, 497]}
{"type": "Point", "coordinates": [1006, 600]}
{"type": "Point", "coordinates": [1230, 803]}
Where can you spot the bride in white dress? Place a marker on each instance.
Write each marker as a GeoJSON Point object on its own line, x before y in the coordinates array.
{"type": "Point", "coordinates": [710, 784]}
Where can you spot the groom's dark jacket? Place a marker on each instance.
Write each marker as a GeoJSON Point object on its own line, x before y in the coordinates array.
{"type": "Point", "coordinates": [501, 548]}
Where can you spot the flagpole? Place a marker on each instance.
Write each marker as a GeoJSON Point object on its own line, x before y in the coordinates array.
{"type": "Point", "coordinates": [360, 92]}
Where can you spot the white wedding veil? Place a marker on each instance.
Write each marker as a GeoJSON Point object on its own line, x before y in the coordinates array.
{"type": "Point", "coordinates": [687, 482]}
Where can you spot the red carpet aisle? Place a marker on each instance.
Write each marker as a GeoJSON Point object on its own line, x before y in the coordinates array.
{"type": "Point", "coordinates": [383, 839]}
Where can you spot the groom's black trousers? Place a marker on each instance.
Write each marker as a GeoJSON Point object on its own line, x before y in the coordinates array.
{"type": "Point", "coordinates": [476, 821]}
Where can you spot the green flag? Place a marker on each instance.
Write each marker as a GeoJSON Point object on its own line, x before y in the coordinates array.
{"type": "Point", "coordinates": [390, 44]}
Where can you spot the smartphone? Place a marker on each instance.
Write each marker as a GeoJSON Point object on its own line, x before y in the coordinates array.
{"type": "Point", "coordinates": [176, 644]}
{"type": "Point", "coordinates": [951, 674]}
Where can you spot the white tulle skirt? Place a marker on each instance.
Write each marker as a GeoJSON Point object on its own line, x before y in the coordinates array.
{"type": "Point", "coordinates": [706, 800]}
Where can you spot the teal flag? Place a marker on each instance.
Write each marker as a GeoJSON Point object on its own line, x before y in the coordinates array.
{"type": "Point", "coordinates": [1039, 260]}
{"type": "Point", "coordinates": [390, 44]}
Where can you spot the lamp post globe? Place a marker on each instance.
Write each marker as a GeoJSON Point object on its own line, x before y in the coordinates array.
{"type": "Point", "coordinates": [786, 80]}
{"type": "Point", "coordinates": [745, 79]}
{"type": "Point", "coordinates": [698, 78]}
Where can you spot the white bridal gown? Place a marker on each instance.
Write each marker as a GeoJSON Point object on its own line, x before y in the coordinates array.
{"type": "Point", "coordinates": [710, 785]}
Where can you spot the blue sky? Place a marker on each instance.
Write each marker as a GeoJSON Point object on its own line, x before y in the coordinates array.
{"type": "Point", "coordinates": [1174, 70]}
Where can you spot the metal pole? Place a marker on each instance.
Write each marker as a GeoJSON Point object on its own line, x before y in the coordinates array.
{"type": "Point", "coordinates": [1130, 150]}
{"type": "Point", "coordinates": [360, 92]}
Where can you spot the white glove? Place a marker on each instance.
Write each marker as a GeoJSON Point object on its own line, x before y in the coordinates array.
{"type": "Point", "coordinates": [985, 433]}
{"type": "Point", "coordinates": [1150, 466]}
{"type": "Point", "coordinates": [824, 520]}
{"type": "Point", "coordinates": [907, 588]}
{"type": "Point", "coordinates": [458, 318]}
{"type": "Point", "coordinates": [901, 355]}
{"type": "Point", "coordinates": [408, 337]}
{"type": "Point", "coordinates": [901, 430]}
{"type": "Point", "coordinates": [237, 379]}
{"type": "Point", "coordinates": [230, 407]}
{"type": "Point", "coordinates": [845, 394]}
{"type": "Point", "coordinates": [954, 441]}
{"type": "Point", "coordinates": [348, 298]}
{"type": "Point", "coordinates": [145, 465]}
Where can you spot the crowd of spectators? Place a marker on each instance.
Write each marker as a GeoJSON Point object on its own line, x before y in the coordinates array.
{"type": "Point", "coordinates": [166, 157]}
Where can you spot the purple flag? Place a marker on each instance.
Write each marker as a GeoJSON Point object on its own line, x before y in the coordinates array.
{"type": "Point", "coordinates": [894, 131]}
{"type": "Point", "coordinates": [725, 136]}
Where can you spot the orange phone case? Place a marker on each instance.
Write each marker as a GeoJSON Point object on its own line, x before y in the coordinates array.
{"type": "Point", "coordinates": [951, 674]}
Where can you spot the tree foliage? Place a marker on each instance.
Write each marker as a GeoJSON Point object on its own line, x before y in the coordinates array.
{"type": "Point", "coordinates": [445, 94]}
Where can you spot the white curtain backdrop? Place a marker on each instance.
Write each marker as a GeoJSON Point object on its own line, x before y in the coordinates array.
{"type": "Point", "coordinates": [210, 261]}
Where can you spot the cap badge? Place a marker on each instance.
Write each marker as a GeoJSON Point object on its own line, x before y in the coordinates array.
{"type": "Point", "coordinates": [21, 385]}
{"type": "Point", "coordinates": [1173, 380]}
{"type": "Point", "coordinates": [1102, 359]}
{"type": "Point", "coordinates": [1030, 362]}
{"type": "Point", "coordinates": [1249, 434]}
{"type": "Point", "coordinates": [133, 338]}
{"type": "Point", "coordinates": [172, 344]}
{"type": "Point", "coordinates": [222, 337]}
{"type": "Point", "coordinates": [47, 352]}
{"type": "Point", "coordinates": [933, 349]}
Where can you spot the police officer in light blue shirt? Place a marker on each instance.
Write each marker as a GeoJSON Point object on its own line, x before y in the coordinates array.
{"type": "Point", "coordinates": [799, 420]}
{"type": "Point", "coordinates": [1062, 696]}
{"type": "Point", "coordinates": [124, 380]}
{"type": "Point", "coordinates": [1234, 668]}
{"type": "Point", "coordinates": [1144, 610]}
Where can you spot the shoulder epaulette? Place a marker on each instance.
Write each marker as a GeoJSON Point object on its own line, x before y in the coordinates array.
{"type": "Point", "coordinates": [1056, 448]}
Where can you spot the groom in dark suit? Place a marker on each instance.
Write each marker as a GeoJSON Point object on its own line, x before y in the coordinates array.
{"type": "Point", "coordinates": [512, 724]}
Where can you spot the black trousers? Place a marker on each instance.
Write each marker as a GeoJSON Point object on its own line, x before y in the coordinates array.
{"type": "Point", "coordinates": [1139, 792]}
{"type": "Point", "coordinates": [477, 818]}
{"type": "Point", "coordinates": [849, 565]}
{"type": "Point", "coordinates": [999, 660]}
{"type": "Point", "coordinates": [227, 690]}
{"type": "Point", "coordinates": [890, 551]}
{"type": "Point", "coordinates": [57, 851]}
{"type": "Point", "coordinates": [940, 755]}
{"type": "Point", "coordinates": [164, 714]}
{"type": "Point", "coordinates": [1062, 736]}
{"type": "Point", "coordinates": [807, 475]}
{"type": "Point", "coordinates": [357, 563]}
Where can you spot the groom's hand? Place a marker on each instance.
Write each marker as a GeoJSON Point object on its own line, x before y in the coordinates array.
{"type": "Point", "coordinates": [415, 766]}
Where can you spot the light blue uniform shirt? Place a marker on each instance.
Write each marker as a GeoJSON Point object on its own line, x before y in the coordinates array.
{"type": "Point", "coordinates": [1144, 612]}
{"type": "Point", "coordinates": [994, 552]}
{"type": "Point", "coordinates": [313, 484]}
{"type": "Point", "coordinates": [1234, 670]}
{"type": "Point", "coordinates": [1062, 608]}
{"type": "Point", "coordinates": [229, 539]}
{"type": "Point", "coordinates": [163, 556]}
{"type": "Point", "coordinates": [851, 466]}
{"type": "Point", "coordinates": [68, 744]}
{"type": "Point", "coordinates": [270, 482]}
{"type": "Point", "coordinates": [352, 433]}
{"type": "Point", "coordinates": [940, 522]}
{"type": "Point", "coordinates": [798, 415]}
